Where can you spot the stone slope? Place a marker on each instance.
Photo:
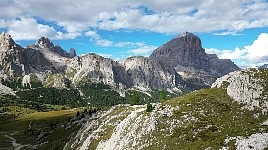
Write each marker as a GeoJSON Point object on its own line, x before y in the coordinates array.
{"type": "Point", "coordinates": [135, 72]}
{"type": "Point", "coordinates": [248, 86]}
{"type": "Point", "coordinates": [205, 119]}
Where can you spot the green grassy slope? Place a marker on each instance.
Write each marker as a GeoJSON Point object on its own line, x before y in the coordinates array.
{"type": "Point", "coordinates": [41, 130]}
{"type": "Point", "coordinates": [214, 118]}
{"type": "Point", "coordinates": [199, 120]}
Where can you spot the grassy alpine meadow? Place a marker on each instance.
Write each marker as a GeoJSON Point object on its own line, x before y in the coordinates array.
{"type": "Point", "coordinates": [26, 128]}
{"type": "Point", "coordinates": [209, 116]}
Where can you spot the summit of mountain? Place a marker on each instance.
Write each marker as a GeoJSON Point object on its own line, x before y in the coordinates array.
{"type": "Point", "coordinates": [45, 43]}
{"type": "Point", "coordinates": [186, 55]}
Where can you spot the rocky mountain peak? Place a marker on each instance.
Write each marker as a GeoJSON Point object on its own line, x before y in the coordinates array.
{"type": "Point", "coordinates": [44, 42]}
{"type": "Point", "coordinates": [186, 55]}
{"type": "Point", "coordinates": [184, 50]}
{"type": "Point", "coordinates": [6, 41]}
{"type": "Point", "coordinates": [190, 39]}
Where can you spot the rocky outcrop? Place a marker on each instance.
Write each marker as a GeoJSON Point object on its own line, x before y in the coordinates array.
{"type": "Point", "coordinates": [248, 87]}
{"type": "Point", "coordinates": [72, 53]}
{"type": "Point", "coordinates": [58, 50]}
{"type": "Point", "coordinates": [17, 61]}
{"type": "Point", "coordinates": [186, 55]}
{"type": "Point", "coordinates": [6, 90]}
{"type": "Point", "coordinates": [6, 42]}
{"type": "Point", "coordinates": [135, 72]}
{"type": "Point", "coordinates": [10, 56]}
{"type": "Point", "coordinates": [95, 67]}
{"type": "Point", "coordinates": [146, 73]}
{"type": "Point", "coordinates": [45, 43]}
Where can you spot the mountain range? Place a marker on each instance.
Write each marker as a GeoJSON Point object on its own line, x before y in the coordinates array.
{"type": "Point", "coordinates": [177, 98]}
{"type": "Point", "coordinates": [181, 62]}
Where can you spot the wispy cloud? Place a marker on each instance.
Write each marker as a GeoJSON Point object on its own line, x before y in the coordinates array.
{"type": "Point", "coordinates": [98, 40]}
{"type": "Point", "coordinates": [144, 50]}
{"type": "Point", "coordinates": [233, 33]}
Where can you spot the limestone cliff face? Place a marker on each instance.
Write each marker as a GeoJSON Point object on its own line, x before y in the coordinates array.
{"type": "Point", "coordinates": [135, 72]}
{"type": "Point", "coordinates": [186, 55]}
{"type": "Point", "coordinates": [184, 50]}
{"type": "Point", "coordinates": [99, 69]}
{"type": "Point", "coordinates": [248, 86]}
{"type": "Point", "coordinates": [16, 61]}
{"type": "Point", "coordinates": [10, 56]}
{"type": "Point", "coordinates": [146, 73]}
{"type": "Point", "coordinates": [168, 67]}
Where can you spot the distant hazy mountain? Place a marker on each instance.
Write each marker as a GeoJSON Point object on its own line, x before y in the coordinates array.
{"type": "Point", "coordinates": [264, 66]}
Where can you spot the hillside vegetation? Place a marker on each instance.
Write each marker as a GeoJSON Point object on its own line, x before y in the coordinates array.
{"type": "Point", "coordinates": [28, 129]}
{"type": "Point", "coordinates": [231, 115]}
{"type": "Point", "coordinates": [205, 119]}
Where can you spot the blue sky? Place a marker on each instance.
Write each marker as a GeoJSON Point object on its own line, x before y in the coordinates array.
{"type": "Point", "coordinates": [236, 30]}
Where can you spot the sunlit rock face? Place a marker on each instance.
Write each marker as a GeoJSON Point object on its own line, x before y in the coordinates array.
{"type": "Point", "coordinates": [138, 72]}
{"type": "Point", "coordinates": [248, 86]}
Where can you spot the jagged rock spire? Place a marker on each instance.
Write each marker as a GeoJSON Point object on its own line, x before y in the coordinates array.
{"type": "Point", "coordinates": [44, 42]}
{"type": "Point", "coordinates": [72, 53]}
{"type": "Point", "coordinates": [6, 41]}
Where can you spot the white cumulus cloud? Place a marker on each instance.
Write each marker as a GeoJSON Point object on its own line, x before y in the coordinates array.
{"type": "Point", "coordinates": [258, 51]}
{"type": "Point", "coordinates": [255, 54]}
{"type": "Point", "coordinates": [169, 16]}
{"type": "Point", "coordinates": [235, 54]}
{"type": "Point", "coordinates": [213, 51]}
{"type": "Point", "coordinates": [30, 29]}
